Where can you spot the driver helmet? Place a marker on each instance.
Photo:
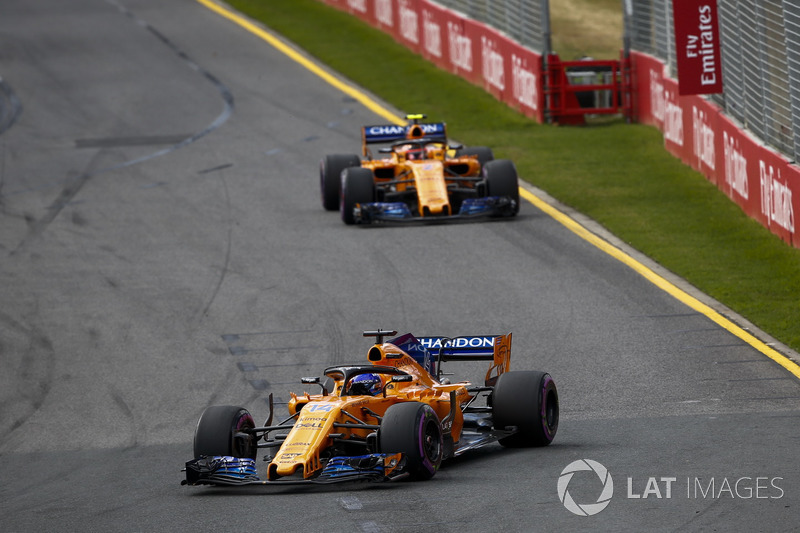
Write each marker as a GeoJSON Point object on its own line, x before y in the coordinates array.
{"type": "Point", "coordinates": [416, 153]}
{"type": "Point", "coordinates": [369, 384]}
{"type": "Point", "coordinates": [413, 151]}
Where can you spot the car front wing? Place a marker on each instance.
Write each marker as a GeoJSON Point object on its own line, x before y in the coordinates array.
{"type": "Point", "coordinates": [236, 471]}
{"type": "Point", "coordinates": [487, 206]}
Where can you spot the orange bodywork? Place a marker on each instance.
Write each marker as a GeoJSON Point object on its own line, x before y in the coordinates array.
{"type": "Point", "coordinates": [427, 177]}
{"type": "Point", "coordinates": [321, 419]}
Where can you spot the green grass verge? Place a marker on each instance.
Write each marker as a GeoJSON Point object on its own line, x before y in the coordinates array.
{"type": "Point", "coordinates": [618, 174]}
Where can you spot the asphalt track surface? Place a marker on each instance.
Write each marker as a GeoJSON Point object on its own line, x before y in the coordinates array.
{"type": "Point", "coordinates": [164, 249]}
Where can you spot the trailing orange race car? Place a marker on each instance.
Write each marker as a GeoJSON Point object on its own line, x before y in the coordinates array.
{"type": "Point", "coordinates": [421, 178]}
{"type": "Point", "coordinates": [395, 417]}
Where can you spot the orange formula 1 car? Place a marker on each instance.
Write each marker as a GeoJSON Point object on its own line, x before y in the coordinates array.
{"type": "Point", "coordinates": [395, 417]}
{"type": "Point", "coordinates": [421, 178]}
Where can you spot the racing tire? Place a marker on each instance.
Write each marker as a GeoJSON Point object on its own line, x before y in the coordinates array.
{"type": "Point", "coordinates": [358, 187]}
{"type": "Point", "coordinates": [330, 177]}
{"type": "Point", "coordinates": [219, 432]}
{"type": "Point", "coordinates": [413, 429]}
{"type": "Point", "coordinates": [501, 179]}
{"type": "Point", "coordinates": [484, 153]}
{"type": "Point", "coordinates": [529, 401]}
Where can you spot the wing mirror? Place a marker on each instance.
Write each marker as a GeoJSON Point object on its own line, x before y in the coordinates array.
{"type": "Point", "coordinates": [315, 381]}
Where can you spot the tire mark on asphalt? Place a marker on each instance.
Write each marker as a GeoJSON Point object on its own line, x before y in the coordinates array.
{"type": "Point", "coordinates": [69, 192]}
{"type": "Point", "coordinates": [228, 240]}
{"type": "Point", "coordinates": [10, 106]}
{"type": "Point", "coordinates": [36, 227]}
{"type": "Point", "coordinates": [33, 376]}
{"type": "Point", "coordinates": [214, 169]}
{"type": "Point", "coordinates": [10, 110]}
{"type": "Point", "coordinates": [127, 412]}
{"type": "Point", "coordinates": [389, 267]}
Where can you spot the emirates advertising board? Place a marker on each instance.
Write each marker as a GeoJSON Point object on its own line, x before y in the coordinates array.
{"type": "Point", "coordinates": [697, 46]}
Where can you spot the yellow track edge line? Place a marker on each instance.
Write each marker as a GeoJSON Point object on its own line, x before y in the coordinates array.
{"type": "Point", "coordinates": [539, 203]}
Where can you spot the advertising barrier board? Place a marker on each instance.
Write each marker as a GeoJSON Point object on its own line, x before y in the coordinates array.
{"type": "Point", "coordinates": [465, 47]}
{"type": "Point", "coordinates": [760, 180]}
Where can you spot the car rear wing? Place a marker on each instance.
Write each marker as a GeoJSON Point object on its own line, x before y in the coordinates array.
{"type": "Point", "coordinates": [389, 133]}
{"type": "Point", "coordinates": [495, 348]}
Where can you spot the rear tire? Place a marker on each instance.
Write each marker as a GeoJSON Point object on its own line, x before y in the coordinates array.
{"type": "Point", "coordinates": [502, 180]}
{"type": "Point", "coordinates": [529, 401]}
{"type": "Point", "coordinates": [358, 187]}
{"type": "Point", "coordinates": [413, 429]}
{"type": "Point", "coordinates": [219, 432]}
{"type": "Point", "coordinates": [330, 177]}
{"type": "Point", "coordinates": [484, 153]}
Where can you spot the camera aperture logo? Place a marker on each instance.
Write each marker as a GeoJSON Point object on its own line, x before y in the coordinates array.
{"type": "Point", "coordinates": [585, 509]}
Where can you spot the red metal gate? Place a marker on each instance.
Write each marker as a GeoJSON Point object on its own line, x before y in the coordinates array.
{"type": "Point", "coordinates": [575, 89]}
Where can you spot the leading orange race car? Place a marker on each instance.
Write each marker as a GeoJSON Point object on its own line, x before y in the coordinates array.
{"type": "Point", "coordinates": [395, 417]}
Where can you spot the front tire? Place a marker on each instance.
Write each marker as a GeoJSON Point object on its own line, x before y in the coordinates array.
{"type": "Point", "coordinates": [330, 177]}
{"type": "Point", "coordinates": [358, 187]}
{"type": "Point", "coordinates": [529, 401]}
{"type": "Point", "coordinates": [220, 432]}
{"type": "Point", "coordinates": [413, 429]}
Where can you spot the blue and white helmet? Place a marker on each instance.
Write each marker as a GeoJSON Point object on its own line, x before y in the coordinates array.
{"type": "Point", "coordinates": [369, 384]}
